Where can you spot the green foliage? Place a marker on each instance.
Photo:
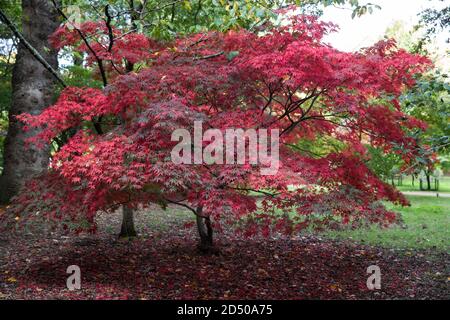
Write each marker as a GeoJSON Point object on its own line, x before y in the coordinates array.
{"type": "Point", "coordinates": [430, 101]}
{"type": "Point", "coordinates": [320, 146]}
{"type": "Point", "coordinates": [444, 163]}
{"type": "Point", "coordinates": [3, 130]}
{"type": "Point", "coordinates": [383, 165]}
{"type": "Point", "coordinates": [168, 19]}
{"type": "Point", "coordinates": [79, 76]}
{"type": "Point", "coordinates": [5, 99]}
{"type": "Point", "coordinates": [13, 9]}
{"type": "Point", "coordinates": [5, 85]}
{"type": "Point", "coordinates": [406, 38]}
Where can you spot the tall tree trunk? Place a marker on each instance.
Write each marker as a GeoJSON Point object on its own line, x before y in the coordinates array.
{"type": "Point", "coordinates": [205, 232]}
{"type": "Point", "coordinates": [127, 230]}
{"type": "Point", "coordinates": [32, 92]}
{"type": "Point", "coordinates": [428, 181]}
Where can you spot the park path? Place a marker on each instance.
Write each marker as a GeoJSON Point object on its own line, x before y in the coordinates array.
{"type": "Point", "coordinates": [427, 194]}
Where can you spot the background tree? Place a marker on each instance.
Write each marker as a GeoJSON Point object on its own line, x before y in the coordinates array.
{"type": "Point", "coordinates": [435, 21]}
{"type": "Point", "coordinates": [8, 46]}
{"type": "Point", "coordinates": [384, 165]}
{"type": "Point", "coordinates": [32, 92]}
{"type": "Point", "coordinates": [428, 100]}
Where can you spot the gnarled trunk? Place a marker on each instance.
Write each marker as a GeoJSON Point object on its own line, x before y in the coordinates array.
{"type": "Point", "coordinates": [205, 232]}
{"type": "Point", "coordinates": [127, 230]}
{"type": "Point", "coordinates": [32, 92]}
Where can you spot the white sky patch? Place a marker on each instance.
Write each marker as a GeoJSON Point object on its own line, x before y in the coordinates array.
{"type": "Point", "coordinates": [366, 30]}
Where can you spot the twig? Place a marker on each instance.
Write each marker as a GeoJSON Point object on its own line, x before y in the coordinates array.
{"type": "Point", "coordinates": [210, 56]}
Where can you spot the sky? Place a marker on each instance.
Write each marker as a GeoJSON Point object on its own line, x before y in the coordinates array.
{"type": "Point", "coordinates": [364, 31]}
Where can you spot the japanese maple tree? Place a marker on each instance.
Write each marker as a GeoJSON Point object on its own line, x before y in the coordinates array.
{"type": "Point", "coordinates": [281, 77]}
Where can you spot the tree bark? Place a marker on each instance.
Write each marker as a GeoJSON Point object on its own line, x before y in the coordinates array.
{"type": "Point", "coordinates": [205, 232]}
{"type": "Point", "coordinates": [127, 230]}
{"type": "Point", "coordinates": [32, 91]}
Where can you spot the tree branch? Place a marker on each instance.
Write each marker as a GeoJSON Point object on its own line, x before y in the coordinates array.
{"type": "Point", "coordinates": [86, 42]}
{"type": "Point", "coordinates": [110, 30]}
{"type": "Point", "coordinates": [185, 206]}
{"type": "Point", "coordinates": [30, 48]}
{"type": "Point", "coordinates": [97, 124]}
{"type": "Point", "coordinates": [210, 56]}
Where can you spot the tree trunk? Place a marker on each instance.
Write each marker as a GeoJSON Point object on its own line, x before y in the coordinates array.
{"type": "Point", "coordinates": [428, 182]}
{"type": "Point", "coordinates": [32, 91]}
{"type": "Point", "coordinates": [205, 232]}
{"type": "Point", "coordinates": [127, 230]}
{"type": "Point", "coordinates": [128, 219]}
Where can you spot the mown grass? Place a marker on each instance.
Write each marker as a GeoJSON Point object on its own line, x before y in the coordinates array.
{"type": "Point", "coordinates": [426, 225]}
{"type": "Point", "coordinates": [444, 184]}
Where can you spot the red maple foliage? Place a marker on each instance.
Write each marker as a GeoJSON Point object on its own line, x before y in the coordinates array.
{"type": "Point", "coordinates": [284, 78]}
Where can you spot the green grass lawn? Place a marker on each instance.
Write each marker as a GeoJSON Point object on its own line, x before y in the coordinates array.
{"type": "Point", "coordinates": [426, 225]}
{"type": "Point", "coordinates": [444, 184]}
